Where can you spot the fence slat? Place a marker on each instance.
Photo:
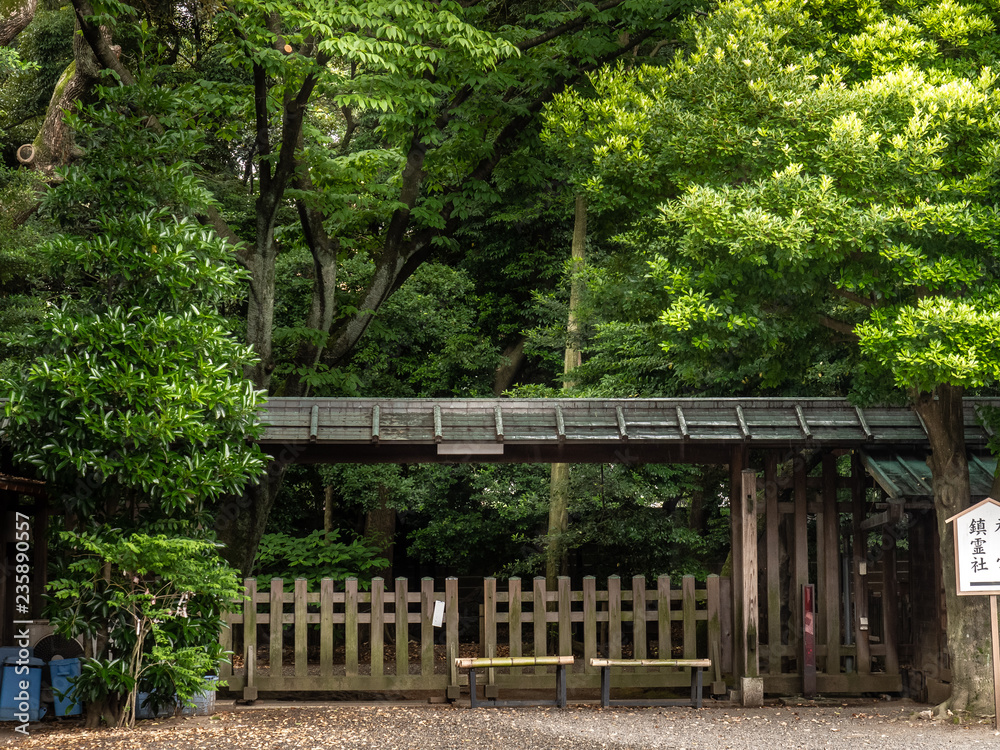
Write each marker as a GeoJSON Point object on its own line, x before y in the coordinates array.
{"type": "Point", "coordinates": [226, 644]}
{"type": "Point", "coordinates": [772, 524]}
{"type": "Point", "coordinates": [514, 634]}
{"type": "Point", "coordinates": [714, 632]}
{"type": "Point", "coordinates": [451, 638]}
{"type": "Point", "coordinates": [538, 615]}
{"type": "Point", "coordinates": [276, 615]}
{"type": "Point", "coordinates": [664, 644]}
{"type": "Point", "coordinates": [639, 617]}
{"type": "Point", "coordinates": [250, 638]}
{"type": "Point", "coordinates": [376, 639]}
{"type": "Point", "coordinates": [326, 627]}
{"type": "Point", "coordinates": [726, 608]}
{"type": "Point", "coordinates": [426, 626]}
{"type": "Point", "coordinates": [351, 627]}
{"type": "Point", "coordinates": [301, 610]}
{"type": "Point", "coordinates": [402, 628]}
{"type": "Point", "coordinates": [565, 629]}
{"type": "Point", "coordinates": [614, 618]}
{"type": "Point", "coordinates": [690, 638]}
{"type": "Point", "coordinates": [589, 622]}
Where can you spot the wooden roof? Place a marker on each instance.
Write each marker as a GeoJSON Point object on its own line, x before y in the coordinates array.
{"type": "Point", "coordinates": [362, 430]}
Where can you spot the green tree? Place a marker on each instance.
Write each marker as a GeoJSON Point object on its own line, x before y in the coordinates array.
{"type": "Point", "coordinates": [821, 212]}
{"type": "Point", "coordinates": [133, 407]}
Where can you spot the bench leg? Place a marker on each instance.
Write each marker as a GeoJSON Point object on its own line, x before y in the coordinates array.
{"type": "Point", "coordinates": [561, 685]}
{"type": "Point", "coordinates": [696, 686]}
{"type": "Point", "coordinates": [605, 687]}
{"type": "Point", "coordinates": [472, 688]}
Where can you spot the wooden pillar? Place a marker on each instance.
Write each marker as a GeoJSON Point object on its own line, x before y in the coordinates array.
{"type": "Point", "coordinates": [749, 625]}
{"type": "Point", "coordinates": [890, 601]}
{"type": "Point", "coordinates": [773, 570]}
{"type": "Point", "coordinates": [800, 557]}
{"type": "Point", "coordinates": [859, 565]}
{"type": "Point", "coordinates": [737, 461]}
{"type": "Point", "coordinates": [830, 603]}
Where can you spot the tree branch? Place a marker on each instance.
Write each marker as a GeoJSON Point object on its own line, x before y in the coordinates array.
{"type": "Point", "coordinates": [563, 28]}
{"type": "Point", "coordinates": [100, 43]}
{"type": "Point", "coordinates": [840, 327]}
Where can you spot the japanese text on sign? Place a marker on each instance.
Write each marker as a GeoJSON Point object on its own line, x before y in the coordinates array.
{"type": "Point", "coordinates": [977, 549]}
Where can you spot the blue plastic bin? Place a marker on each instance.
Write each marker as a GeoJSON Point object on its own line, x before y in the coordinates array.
{"type": "Point", "coordinates": [14, 699]}
{"type": "Point", "coordinates": [63, 672]}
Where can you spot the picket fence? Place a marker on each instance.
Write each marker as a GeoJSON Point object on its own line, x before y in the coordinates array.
{"type": "Point", "coordinates": [387, 640]}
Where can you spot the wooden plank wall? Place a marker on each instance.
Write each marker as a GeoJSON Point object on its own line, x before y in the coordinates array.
{"type": "Point", "coordinates": [624, 619]}
{"type": "Point", "coordinates": [358, 620]}
{"type": "Point", "coordinates": [812, 517]}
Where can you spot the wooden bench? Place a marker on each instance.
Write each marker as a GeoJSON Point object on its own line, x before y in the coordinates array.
{"type": "Point", "coordinates": [559, 662]}
{"type": "Point", "coordinates": [696, 666]}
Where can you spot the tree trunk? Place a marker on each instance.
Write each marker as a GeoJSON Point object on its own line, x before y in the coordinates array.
{"type": "Point", "coordinates": [968, 619]}
{"type": "Point", "coordinates": [15, 15]}
{"type": "Point", "coordinates": [240, 521]}
{"type": "Point", "coordinates": [556, 562]}
{"type": "Point", "coordinates": [380, 529]}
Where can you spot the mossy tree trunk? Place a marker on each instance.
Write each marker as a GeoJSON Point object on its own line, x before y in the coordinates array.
{"type": "Point", "coordinates": [968, 617]}
{"type": "Point", "coordinates": [556, 562]}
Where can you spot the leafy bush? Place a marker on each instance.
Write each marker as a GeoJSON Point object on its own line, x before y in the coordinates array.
{"type": "Point", "coordinates": [315, 557]}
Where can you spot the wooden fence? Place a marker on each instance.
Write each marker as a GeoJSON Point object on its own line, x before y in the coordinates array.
{"type": "Point", "coordinates": [333, 658]}
{"type": "Point", "coordinates": [337, 640]}
{"type": "Point", "coordinates": [638, 623]}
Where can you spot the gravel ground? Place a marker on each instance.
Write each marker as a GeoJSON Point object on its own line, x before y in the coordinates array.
{"type": "Point", "coordinates": [893, 725]}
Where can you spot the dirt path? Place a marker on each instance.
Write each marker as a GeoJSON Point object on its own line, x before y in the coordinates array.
{"type": "Point", "coordinates": [891, 725]}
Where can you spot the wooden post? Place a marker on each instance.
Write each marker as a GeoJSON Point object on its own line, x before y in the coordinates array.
{"type": "Point", "coordinates": [749, 625]}
{"type": "Point", "coordinates": [638, 617]}
{"type": "Point", "coordinates": [859, 562]}
{"type": "Point", "coordinates": [451, 636]}
{"type": "Point", "coordinates": [995, 633]}
{"type": "Point", "coordinates": [614, 617]}
{"type": "Point", "coordinates": [737, 517]}
{"type": "Point", "coordinates": [800, 555]}
{"type": "Point", "coordinates": [490, 641]}
{"type": "Point", "coordinates": [589, 622]}
{"type": "Point", "coordinates": [890, 601]}
{"type": "Point", "coordinates": [276, 621]}
{"type": "Point", "coordinates": [514, 634]}
{"type": "Point", "coordinates": [831, 564]}
{"type": "Point", "coordinates": [565, 628]}
{"type": "Point", "coordinates": [808, 640]}
{"type": "Point", "coordinates": [538, 610]}
{"type": "Point", "coordinates": [688, 612]}
{"type": "Point", "coordinates": [772, 520]}
{"type": "Point", "coordinates": [250, 639]}
{"type": "Point", "coordinates": [427, 600]}
{"type": "Point", "coordinates": [664, 644]}
{"type": "Point", "coordinates": [301, 609]}
{"type": "Point", "coordinates": [402, 615]}
{"type": "Point", "coordinates": [326, 627]}
{"type": "Point", "coordinates": [351, 627]}
{"type": "Point", "coordinates": [714, 634]}
{"type": "Point", "coordinates": [376, 634]}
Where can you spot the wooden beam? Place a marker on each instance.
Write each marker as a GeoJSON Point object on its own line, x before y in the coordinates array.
{"type": "Point", "coordinates": [859, 546]}
{"type": "Point", "coordinates": [831, 564]}
{"type": "Point", "coordinates": [749, 630]}
{"type": "Point", "coordinates": [772, 519]}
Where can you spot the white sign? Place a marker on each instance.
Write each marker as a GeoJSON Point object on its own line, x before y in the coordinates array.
{"type": "Point", "coordinates": [977, 549]}
{"type": "Point", "coordinates": [438, 613]}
